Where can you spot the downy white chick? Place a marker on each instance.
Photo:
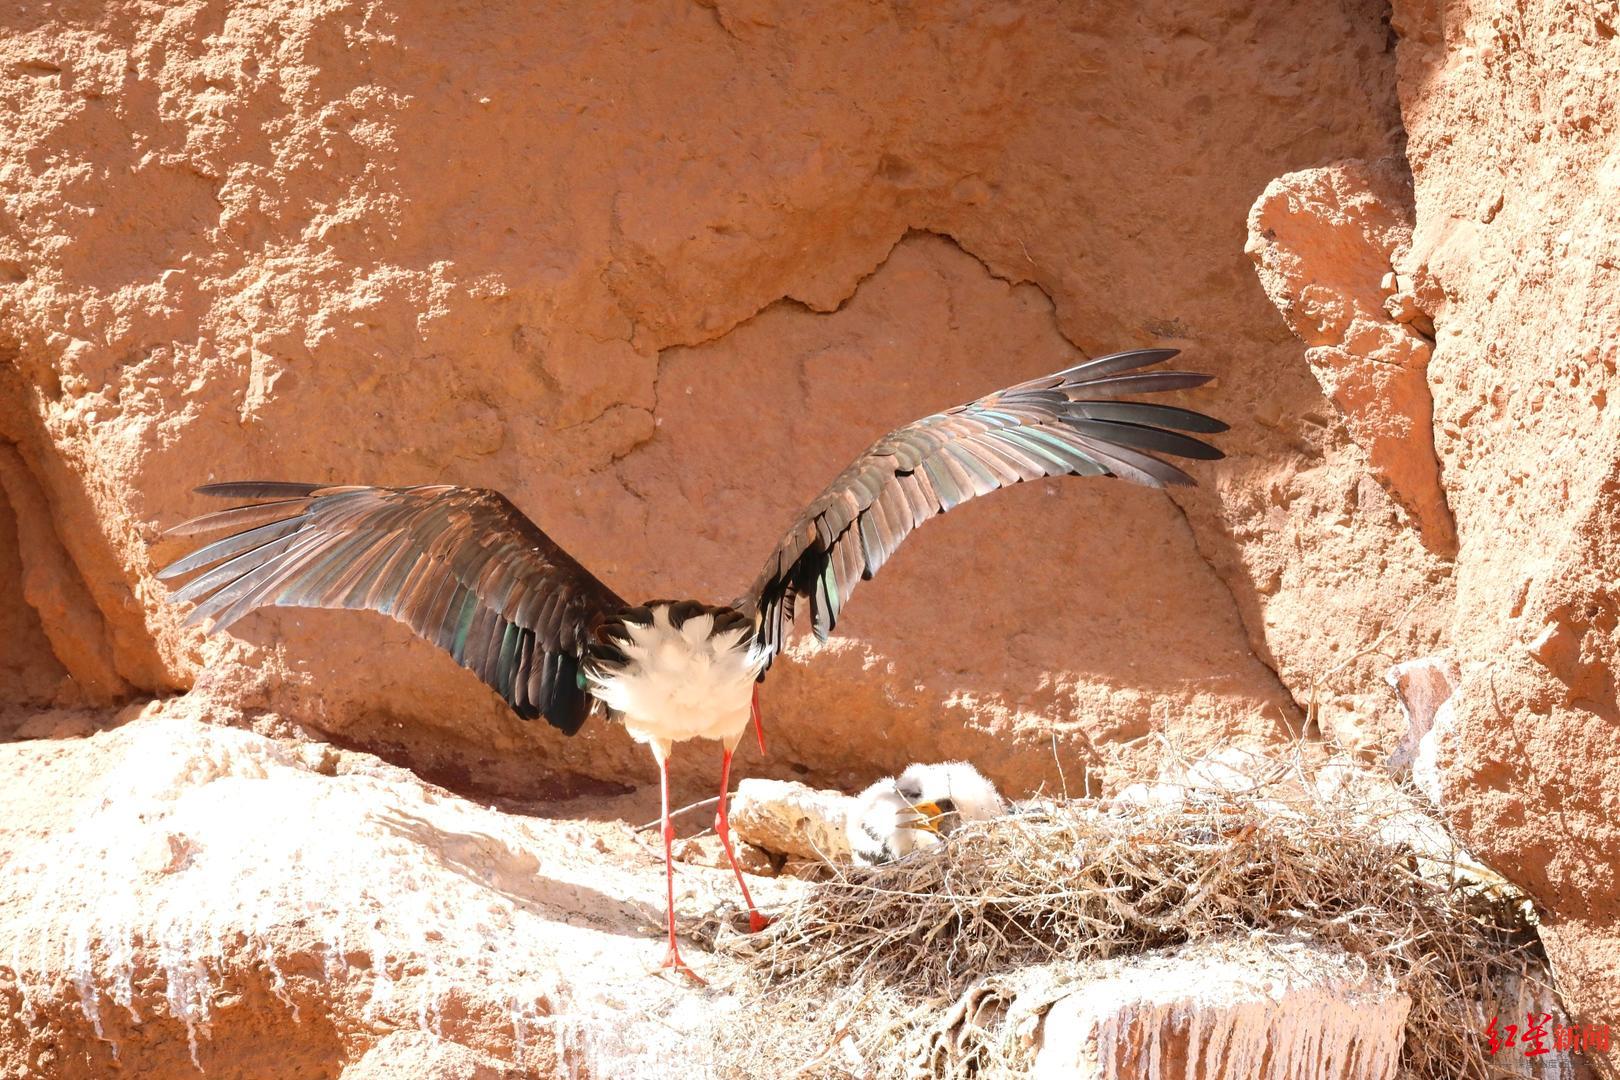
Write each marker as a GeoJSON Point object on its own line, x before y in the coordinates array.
{"type": "Point", "coordinates": [897, 816]}
{"type": "Point", "coordinates": [884, 826]}
{"type": "Point", "coordinates": [955, 790]}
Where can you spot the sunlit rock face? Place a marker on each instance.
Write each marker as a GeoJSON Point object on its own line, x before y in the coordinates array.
{"type": "Point", "coordinates": [657, 273]}
{"type": "Point", "coordinates": [1333, 247]}
{"type": "Point", "coordinates": [177, 896]}
{"type": "Point", "coordinates": [1486, 297]}
{"type": "Point", "coordinates": [1224, 1011]}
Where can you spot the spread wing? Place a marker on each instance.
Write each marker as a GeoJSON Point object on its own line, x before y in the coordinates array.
{"type": "Point", "coordinates": [1067, 424]}
{"type": "Point", "coordinates": [460, 566]}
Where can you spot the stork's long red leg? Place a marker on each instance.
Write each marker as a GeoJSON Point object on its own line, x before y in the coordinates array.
{"type": "Point", "coordinates": [756, 921]}
{"type": "Point", "coordinates": [672, 959]}
{"type": "Point", "coordinates": [759, 728]}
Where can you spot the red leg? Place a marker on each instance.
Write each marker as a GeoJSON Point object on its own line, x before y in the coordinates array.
{"type": "Point", "coordinates": [672, 959]}
{"type": "Point", "coordinates": [756, 921]}
{"type": "Point", "coordinates": [759, 727]}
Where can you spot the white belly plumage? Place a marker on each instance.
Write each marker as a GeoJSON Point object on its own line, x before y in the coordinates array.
{"type": "Point", "coordinates": [681, 682]}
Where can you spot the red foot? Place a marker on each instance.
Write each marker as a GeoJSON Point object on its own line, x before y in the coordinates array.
{"type": "Point", "coordinates": [673, 961]}
{"type": "Point", "coordinates": [757, 922]}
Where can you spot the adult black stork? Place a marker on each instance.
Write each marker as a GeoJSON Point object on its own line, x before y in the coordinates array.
{"type": "Point", "coordinates": [466, 570]}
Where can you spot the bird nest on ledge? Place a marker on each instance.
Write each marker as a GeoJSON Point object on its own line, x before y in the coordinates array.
{"type": "Point", "coordinates": [887, 971]}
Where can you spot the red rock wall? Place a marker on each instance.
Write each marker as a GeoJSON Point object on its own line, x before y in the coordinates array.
{"type": "Point", "coordinates": [656, 271]}
{"type": "Point", "coordinates": [380, 241]}
{"type": "Point", "coordinates": [1513, 144]}
{"type": "Point", "coordinates": [29, 671]}
{"type": "Point", "coordinates": [1464, 328]}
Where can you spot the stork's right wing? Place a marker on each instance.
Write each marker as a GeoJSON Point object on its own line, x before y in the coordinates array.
{"type": "Point", "coordinates": [462, 567]}
{"type": "Point", "coordinates": [1065, 424]}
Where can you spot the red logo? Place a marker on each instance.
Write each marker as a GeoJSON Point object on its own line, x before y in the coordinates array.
{"type": "Point", "coordinates": [1540, 1035]}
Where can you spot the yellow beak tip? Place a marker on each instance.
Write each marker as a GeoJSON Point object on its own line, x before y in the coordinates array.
{"type": "Point", "coordinates": [929, 820]}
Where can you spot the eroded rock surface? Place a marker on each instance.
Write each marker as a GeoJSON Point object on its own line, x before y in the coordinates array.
{"type": "Point", "coordinates": [1511, 258]}
{"type": "Point", "coordinates": [178, 896]}
{"type": "Point", "coordinates": [30, 673]}
{"type": "Point", "coordinates": [545, 250]}
{"type": "Point", "coordinates": [792, 819]}
{"type": "Point", "coordinates": [1512, 153]}
{"type": "Point", "coordinates": [1224, 1010]}
{"type": "Point", "coordinates": [656, 272]}
{"type": "Point", "coordinates": [1333, 248]}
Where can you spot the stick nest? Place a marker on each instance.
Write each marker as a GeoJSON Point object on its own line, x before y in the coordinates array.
{"type": "Point", "coordinates": [854, 979]}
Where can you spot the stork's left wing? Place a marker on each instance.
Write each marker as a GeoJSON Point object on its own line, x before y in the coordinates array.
{"type": "Point", "coordinates": [462, 567]}
{"type": "Point", "coordinates": [1067, 424]}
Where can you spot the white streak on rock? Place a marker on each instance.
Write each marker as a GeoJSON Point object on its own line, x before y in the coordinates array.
{"type": "Point", "coordinates": [1227, 1011]}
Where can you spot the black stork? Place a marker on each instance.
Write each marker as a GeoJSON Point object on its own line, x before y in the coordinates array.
{"type": "Point", "coordinates": [466, 570]}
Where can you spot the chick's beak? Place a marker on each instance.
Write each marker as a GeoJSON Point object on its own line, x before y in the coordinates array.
{"type": "Point", "coordinates": [929, 820]}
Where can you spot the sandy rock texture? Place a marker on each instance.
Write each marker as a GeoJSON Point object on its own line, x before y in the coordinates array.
{"type": "Point", "coordinates": [1326, 243]}
{"type": "Point", "coordinates": [792, 819]}
{"type": "Point", "coordinates": [1513, 148]}
{"type": "Point", "coordinates": [658, 270]}
{"type": "Point", "coordinates": [1487, 296]}
{"type": "Point", "coordinates": [185, 896]}
{"type": "Point", "coordinates": [30, 674]}
{"type": "Point", "coordinates": [1227, 1009]}
{"type": "Point", "coordinates": [547, 251]}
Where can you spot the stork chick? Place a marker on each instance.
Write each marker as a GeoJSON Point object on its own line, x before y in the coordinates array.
{"type": "Point", "coordinates": [897, 816]}
{"type": "Point", "coordinates": [956, 792]}
{"type": "Point", "coordinates": [884, 825]}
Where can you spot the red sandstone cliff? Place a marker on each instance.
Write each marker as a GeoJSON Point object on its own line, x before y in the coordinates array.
{"type": "Point", "coordinates": [658, 271]}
